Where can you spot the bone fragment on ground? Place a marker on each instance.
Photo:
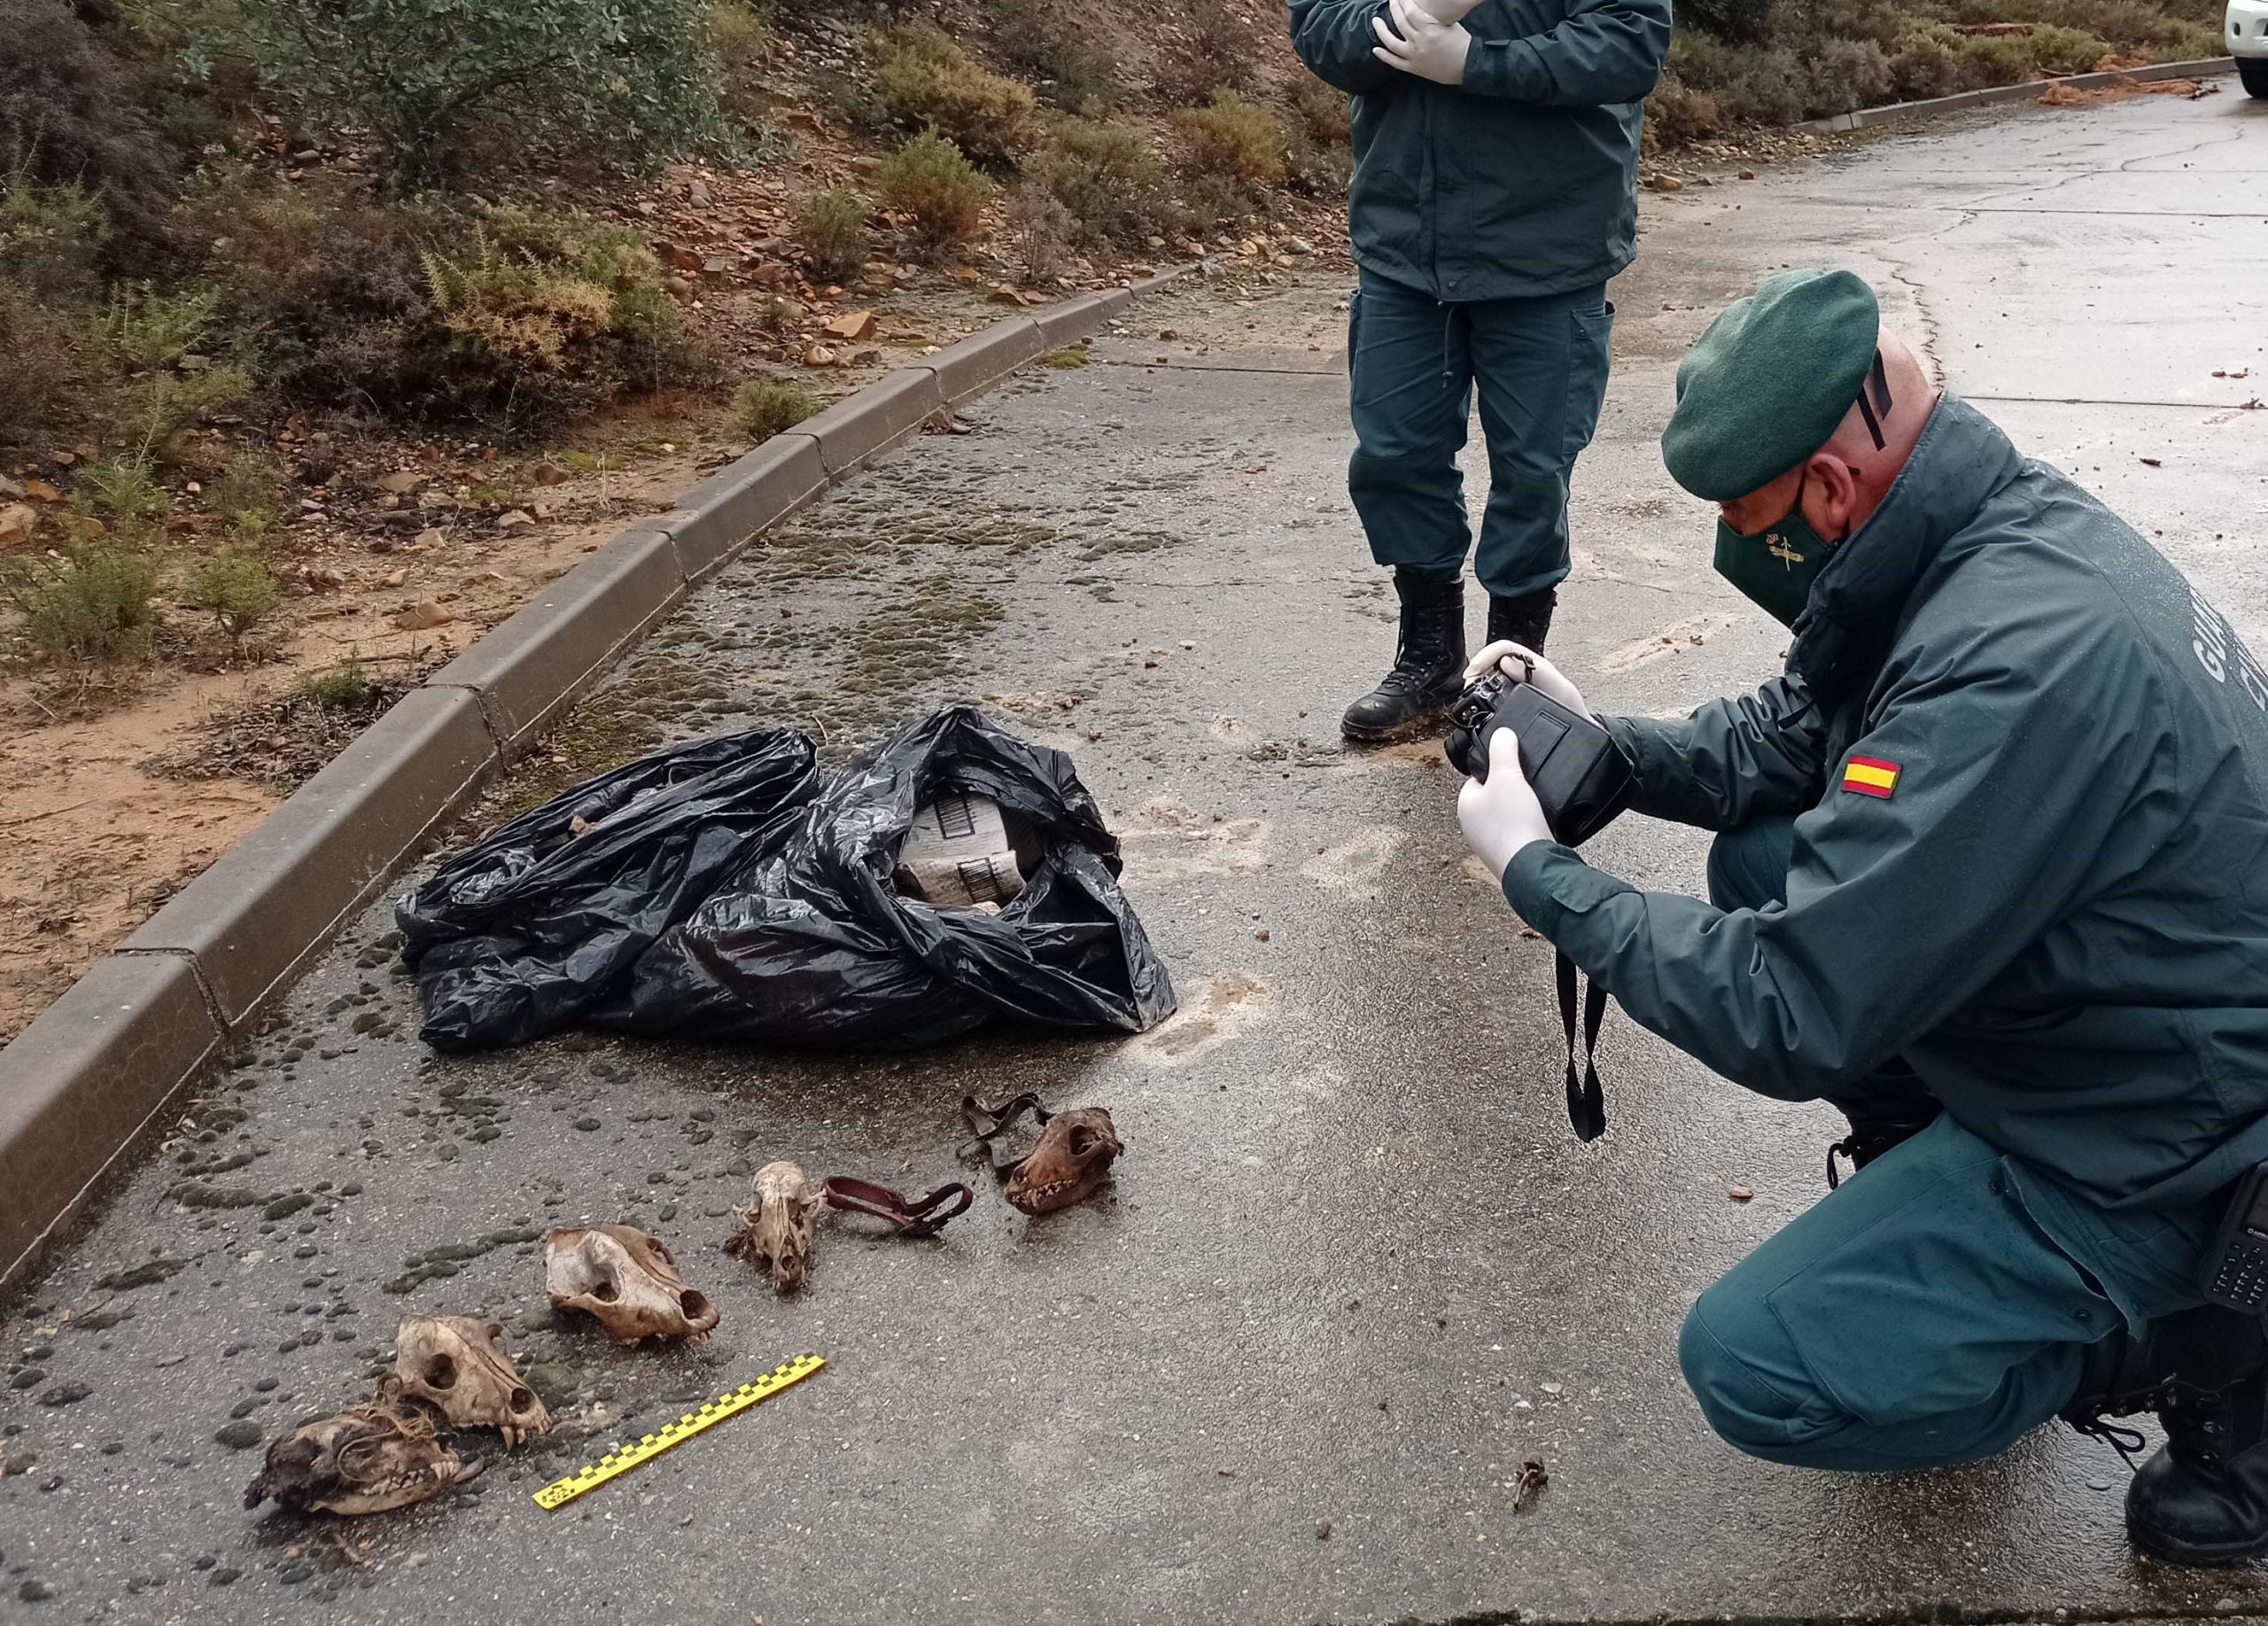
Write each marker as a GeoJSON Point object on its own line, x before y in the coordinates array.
{"type": "Point", "coordinates": [366, 1460]}
{"type": "Point", "coordinates": [460, 1366]}
{"type": "Point", "coordinates": [627, 1280]}
{"type": "Point", "coordinates": [775, 1232]}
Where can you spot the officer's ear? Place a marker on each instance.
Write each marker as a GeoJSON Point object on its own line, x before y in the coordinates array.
{"type": "Point", "coordinates": [1832, 497]}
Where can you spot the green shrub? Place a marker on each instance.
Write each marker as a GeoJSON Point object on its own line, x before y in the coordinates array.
{"type": "Point", "coordinates": [930, 180]}
{"type": "Point", "coordinates": [542, 314]}
{"type": "Point", "coordinates": [100, 605]}
{"type": "Point", "coordinates": [156, 330]}
{"type": "Point", "coordinates": [924, 79]}
{"type": "Point", "coordinates": [1929, 62]}
{"type": "Point", "coordinates": [118, 488]}
{"type": "Point", "coordinates": [1109, 178]}
{"type": "Point", "coordinates": [67, 112]}
{"type": "Point", "coordinates": [830, 228]}
{"type": "Point", "coordinates": [762, 407]}
{"type": "Point", "coordinates": [1744, 22]}
{"type": "Point", "coordinates": [345, 688]}
{"type": "Point", "coordinates": [51, 238]}
{"type": "Point", "coordinates": [1235, 137]}
{"type": "Point", "coordinates": [628, 82]}
{"type": "Point", "coordinates": [1041, 229]}
{"type": "Point", "coordinates": [1325, 110]}
{"type": "Point", "coordinates": [1048, 40]}
{"type": "Point", "coordinates": [45, 377]}
{"type": "Point", "coordinates": [236, 590]}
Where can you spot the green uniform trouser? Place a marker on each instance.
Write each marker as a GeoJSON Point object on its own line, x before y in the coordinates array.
{"type": "Point", "coordinates": [1540, 365]}
{"type": "Point", "coordinates": [1922, 1314]}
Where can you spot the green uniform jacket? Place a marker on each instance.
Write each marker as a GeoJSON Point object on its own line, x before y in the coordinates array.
{"type": "Point", "coordinates": [1523, 180]}
{"type": "Point", "coordinates": [2058, 915]}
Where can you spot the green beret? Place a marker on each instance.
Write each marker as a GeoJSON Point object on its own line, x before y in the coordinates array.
{"type": "Point", "coordinates": [1765, 387]}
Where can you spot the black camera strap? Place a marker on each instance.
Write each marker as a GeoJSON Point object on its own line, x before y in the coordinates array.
{"type": "Point", "coordinates": [1586, 1101]}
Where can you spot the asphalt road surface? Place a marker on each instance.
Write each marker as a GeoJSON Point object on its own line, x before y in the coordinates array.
{"type": "Point", "coordinates": [1354, 1272]}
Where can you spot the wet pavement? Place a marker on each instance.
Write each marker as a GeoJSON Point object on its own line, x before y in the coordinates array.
{"type": "Point", "coordinates": [1354, 1271]}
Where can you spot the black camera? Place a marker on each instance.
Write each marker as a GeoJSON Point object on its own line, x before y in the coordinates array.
{"type": "Point", "coordinates": [1579, 774]}
{"type": "Point", "coordinates": [1469, 721]}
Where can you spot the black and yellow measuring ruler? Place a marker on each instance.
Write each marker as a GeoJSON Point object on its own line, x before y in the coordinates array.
{"type": "Point", "coordinates": [559, 1492]}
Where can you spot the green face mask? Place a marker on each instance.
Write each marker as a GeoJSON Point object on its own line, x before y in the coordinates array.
{"type": "Point", "coordinates": [1775, 566]}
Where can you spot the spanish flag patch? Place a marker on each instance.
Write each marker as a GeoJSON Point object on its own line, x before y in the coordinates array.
{"type": "Point", "coordinates": [1870, 776]}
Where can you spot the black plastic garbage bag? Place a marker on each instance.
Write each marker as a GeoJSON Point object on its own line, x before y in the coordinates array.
{"type": "Point", "coordinates": [516, 936]}
{"type": "Point", "coordinates": [809, 941]}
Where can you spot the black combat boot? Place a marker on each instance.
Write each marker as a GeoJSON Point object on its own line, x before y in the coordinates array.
{"type": "Point", "coordinates": [1428, 663]}
{"type": "Point", "coordinates": [2203, 1499]}
{"type": "Point", "coordinates": [1525, 620]}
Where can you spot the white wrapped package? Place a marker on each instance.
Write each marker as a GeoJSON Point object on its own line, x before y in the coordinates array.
{"type": "Point", "coordinates": [959, 853]}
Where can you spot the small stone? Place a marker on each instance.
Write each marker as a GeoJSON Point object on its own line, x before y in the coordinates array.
{"type": "Point", "coordinates": [1664, 183]}
{"type": "Point", "coordinates": [18, 522]}
{"type": "Point", "coordinates": [240, 1435]}
{"type": "Point", "coordinates": [1748, 175]}
{"type": "Point", "coordinates": [1299, 245]}
{"type": "Point", "coordinates": [1740, 1194]}
{"type": "Point", "coordinates": [431, 538]}
{"type": "Point", "coordinates": [66, 1394]}
{"type": "Point", "coordinates": [819, 355]}
{"type": "Point", "coordinates": [422, 616]}
{"type": "Point", "coordinates": [518, 519]}
{"type": "Point", "coordinates": [1323, 1529]}
{"type": "Point", "coordinates": [852, 326]}
{"type": "Point", "coordinates": [400, 482]}
{"type": "Point", "coordinates": [34, 1591]}
{"type": "Point", "coordinates": [586, 1123]}
{"type": "Point", "coordinates": [551, 474]}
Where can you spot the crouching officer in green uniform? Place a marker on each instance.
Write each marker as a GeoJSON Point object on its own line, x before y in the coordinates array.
{"type": "Point", "coordinates": [1494, 192]}
{"type": "Point", "coordinates": [1993, 877]}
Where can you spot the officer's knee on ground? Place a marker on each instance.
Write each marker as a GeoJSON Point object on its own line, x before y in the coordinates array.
{"type": "Point", "coordinates": [1748, 1413]}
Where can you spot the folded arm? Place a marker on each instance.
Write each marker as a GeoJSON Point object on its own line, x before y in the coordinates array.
{"type": "Point", "coordinates": [1334, 38]}
{"type": "Point", "coordinates": [1604, 51]}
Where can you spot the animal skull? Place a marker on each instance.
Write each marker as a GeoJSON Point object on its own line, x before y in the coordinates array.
{"type": "Point", "coordinates": [365, 1461]}
{"type": "Point", "coordinates": [459, 1366]}
{"type": "Point", "coordinates": [627, 1280]}
{"type": "Point", "coordinates": [776, 1230]}
{"type": "Point", "coordinates": [1070, 1161]}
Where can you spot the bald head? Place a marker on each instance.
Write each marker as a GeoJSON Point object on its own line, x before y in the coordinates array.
{"type": "Point", "coordinates": [1846, 480]}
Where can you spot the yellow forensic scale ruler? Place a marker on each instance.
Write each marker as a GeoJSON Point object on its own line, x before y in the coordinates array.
{"type": "Point", "coordinates": [559, 1492]}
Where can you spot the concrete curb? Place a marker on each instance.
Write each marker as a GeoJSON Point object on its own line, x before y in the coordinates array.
{"type": "Point", "coordinates": [79, 1085]}
{"type": "Point", "coordinates": [2030, 91]}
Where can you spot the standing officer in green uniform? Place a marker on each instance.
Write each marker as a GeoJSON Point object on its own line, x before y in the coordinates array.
{"type": "Point", "coordinates": [1993, 877]}
{"type": "Point", "coordinates": [1494, 192]}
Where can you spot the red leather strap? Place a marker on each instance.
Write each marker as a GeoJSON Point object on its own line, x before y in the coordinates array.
{"type": "Point", "coordinates": [921, 1217]}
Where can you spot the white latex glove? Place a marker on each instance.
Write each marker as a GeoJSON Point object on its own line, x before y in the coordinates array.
{"type": "Point", "coordinates": [1548, 679]}
{"type": "Point", "coordinates": [1420, 43]}
{"type": "Point", "coordinates": [1500, 815]}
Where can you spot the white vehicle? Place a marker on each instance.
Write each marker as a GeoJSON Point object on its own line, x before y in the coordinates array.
{"type": "Point", "coordinates": [2248, 36]}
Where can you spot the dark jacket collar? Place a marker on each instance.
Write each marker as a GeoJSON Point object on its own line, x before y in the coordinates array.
{"type": "Point", "coordinates": [1859, 600]}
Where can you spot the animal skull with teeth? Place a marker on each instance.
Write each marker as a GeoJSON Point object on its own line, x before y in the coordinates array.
{"type": "Point", "coordinates": [1070, 1162]}
{"type": "Point", "coordinates": [365, 1461]}
{"type": "Point", "coordinates": [460, 1366]}
{"type": "Point", "coordinates": [776, 1229]}
{"type": "Point", "coordinates": [627, 1280]}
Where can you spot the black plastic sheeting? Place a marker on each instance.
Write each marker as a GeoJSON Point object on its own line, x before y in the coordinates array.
{"type": "Point", "coordinates": [785, 928]}
{"type": "Point", "coordinates": [516, 937]}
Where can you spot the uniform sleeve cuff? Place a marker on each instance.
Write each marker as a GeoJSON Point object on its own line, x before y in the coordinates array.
{"type": "Point", "coordinates": [1509, 69]}
{"type": "Point", "coordinates": [1528, 884]}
